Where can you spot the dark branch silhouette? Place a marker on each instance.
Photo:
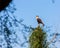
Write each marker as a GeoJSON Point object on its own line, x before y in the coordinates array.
{"type": "Point", "coordinates": [4, 4]}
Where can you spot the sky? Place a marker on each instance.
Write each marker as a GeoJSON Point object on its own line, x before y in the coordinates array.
{"type": "Point", "coordinates": [28, 9]}
{"type": "Point", "coordinates": [48, 11]}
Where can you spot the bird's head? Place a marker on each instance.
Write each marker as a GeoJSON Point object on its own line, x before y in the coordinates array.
{"type": "Point", "coordinates": [37, 17]}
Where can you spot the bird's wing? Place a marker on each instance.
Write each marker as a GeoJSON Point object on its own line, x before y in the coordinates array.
{"type": "Point", "coordinates": [39, 20]}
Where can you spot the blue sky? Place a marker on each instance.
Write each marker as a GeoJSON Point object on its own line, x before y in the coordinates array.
{"type": "Point", "coordinates": [49, 12]}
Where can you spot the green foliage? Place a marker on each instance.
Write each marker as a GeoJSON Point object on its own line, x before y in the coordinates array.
{"type": "Point", "coordinates": [38, 38]}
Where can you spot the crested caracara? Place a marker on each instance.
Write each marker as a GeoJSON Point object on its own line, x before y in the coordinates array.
{"type": "Point", "coordinates": [39, 20]}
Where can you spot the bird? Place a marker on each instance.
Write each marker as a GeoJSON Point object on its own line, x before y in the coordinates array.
{"type": "Point", "coordinates": [39, 20]}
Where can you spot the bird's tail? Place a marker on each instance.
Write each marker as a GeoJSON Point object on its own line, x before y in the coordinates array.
{"type": "Point", "coordinates": [42, 23]}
